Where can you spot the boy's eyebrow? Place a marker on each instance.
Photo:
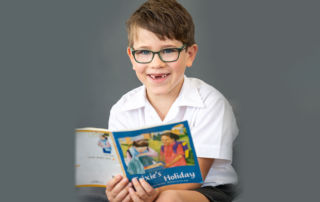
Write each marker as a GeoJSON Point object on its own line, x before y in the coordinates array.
{"type": "Point", "coordinates": [142, 47]}
{"type": "Point", "coordinates": [162, 47]}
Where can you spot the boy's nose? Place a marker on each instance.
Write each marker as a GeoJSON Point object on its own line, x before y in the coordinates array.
{"type": "Point", "coordinates": [157, 62]}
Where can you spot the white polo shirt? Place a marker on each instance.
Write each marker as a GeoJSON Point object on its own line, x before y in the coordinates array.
{"type": "Point", "coordinates": [210, 117]}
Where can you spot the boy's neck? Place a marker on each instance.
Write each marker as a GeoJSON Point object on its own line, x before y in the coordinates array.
{"type": "Point", "coordinates": [163, 103]}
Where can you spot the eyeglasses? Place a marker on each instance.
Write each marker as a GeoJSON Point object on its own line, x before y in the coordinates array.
{"type": "Point", "coordinates": [165, 55]}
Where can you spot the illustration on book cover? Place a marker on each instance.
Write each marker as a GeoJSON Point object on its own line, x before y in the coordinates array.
{"type": "Point", "coordinates": [161, 155]}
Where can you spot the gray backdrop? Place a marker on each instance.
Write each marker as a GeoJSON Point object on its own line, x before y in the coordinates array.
{"type": "Point", "coordinates": [64, 63]}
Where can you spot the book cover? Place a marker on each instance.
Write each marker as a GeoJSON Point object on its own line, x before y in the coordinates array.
{"type": "Point", "coordinates": [162, 155]}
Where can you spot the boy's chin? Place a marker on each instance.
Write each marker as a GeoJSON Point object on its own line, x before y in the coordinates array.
{"type": "Point", "coordinates": [165, 90]}
{"type": "Point", "coordinates": [157, 92]}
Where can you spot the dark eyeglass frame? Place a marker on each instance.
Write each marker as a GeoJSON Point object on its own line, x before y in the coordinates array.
{"type": "Point", "coordinates": [158, 53]}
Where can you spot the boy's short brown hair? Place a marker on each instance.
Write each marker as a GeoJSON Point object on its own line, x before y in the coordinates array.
{"type": "Point", "coordinates": [165, 18]}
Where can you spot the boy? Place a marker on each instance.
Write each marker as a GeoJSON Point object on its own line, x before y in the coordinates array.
{"type": "Point", "coordinates": [161, 47]}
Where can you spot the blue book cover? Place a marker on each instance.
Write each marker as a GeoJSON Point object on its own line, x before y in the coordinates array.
{"type": "Point", "coordinates": [162, 155]}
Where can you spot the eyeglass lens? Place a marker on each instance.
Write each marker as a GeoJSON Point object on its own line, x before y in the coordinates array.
{"type": "Point", "coordinates": [166, 55]}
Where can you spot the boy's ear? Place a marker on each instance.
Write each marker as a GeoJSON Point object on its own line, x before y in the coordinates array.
{"type": "Point", "coordinates": [129, 52]}
{"type": "Point", "coordinates": [191, 52]}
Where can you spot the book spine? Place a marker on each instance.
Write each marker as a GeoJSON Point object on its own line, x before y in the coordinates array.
{"type": "Point", "coordinates": [118, 155]}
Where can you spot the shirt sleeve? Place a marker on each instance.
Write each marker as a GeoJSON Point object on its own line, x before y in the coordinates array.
{"type": "Point", "coordinates": [214, 130]}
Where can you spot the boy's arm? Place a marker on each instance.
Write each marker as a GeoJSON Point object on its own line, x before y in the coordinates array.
{"type": "Point", "coordinates": [205, 164]}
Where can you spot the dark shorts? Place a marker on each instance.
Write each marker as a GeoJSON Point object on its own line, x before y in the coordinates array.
{"type": "Point", "coordinates": [220, 193]}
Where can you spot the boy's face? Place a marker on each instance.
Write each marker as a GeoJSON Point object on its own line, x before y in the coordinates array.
{"type": "Point", "coordinates": [161, 78]}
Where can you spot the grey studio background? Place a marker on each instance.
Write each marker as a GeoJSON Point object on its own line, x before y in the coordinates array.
{"type": "Point", "coordinates": [64, 63]}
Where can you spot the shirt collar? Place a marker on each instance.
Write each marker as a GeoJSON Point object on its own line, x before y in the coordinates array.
{"type": "Point", "coordinates": [189, 96]}
{"type": "Point", "coordinates": [136, 99]}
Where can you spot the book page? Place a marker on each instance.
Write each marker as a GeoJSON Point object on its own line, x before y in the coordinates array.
{"type": "Point", "coordinates": [96, 161]}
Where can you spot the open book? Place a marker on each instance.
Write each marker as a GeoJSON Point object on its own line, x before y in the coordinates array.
{"type": "Point", "coordinates": [162, 155]}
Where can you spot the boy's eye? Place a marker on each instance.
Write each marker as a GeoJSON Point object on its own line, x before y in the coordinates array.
{"type": "Point", "coordinates": [169, 50]}
{"type": "Point", "coordinates": [143, 52]}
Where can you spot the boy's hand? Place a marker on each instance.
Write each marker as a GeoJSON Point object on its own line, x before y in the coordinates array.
{"type": "Point", "coordinates": [144, 191]}
{"type": "Point", "coordinates": [117, 189]}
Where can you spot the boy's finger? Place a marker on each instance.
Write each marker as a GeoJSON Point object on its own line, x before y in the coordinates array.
{"type": "Point", "coordinates": [147, 187]}
{"type": "Point", "coordinates": [134, 196]}
{"type": "Point", "coordinates": [127, 199]}
{"type": "Point", "coordinates": [129, 184]}
{"type": "Point", "coordinates": [111, 183]}
{"type": "Point", "coordinates": [139, 189]}
{"type": "Point", "coordinates": [122, 195]}
{"type": "Point", "coordinates": [120, 186]}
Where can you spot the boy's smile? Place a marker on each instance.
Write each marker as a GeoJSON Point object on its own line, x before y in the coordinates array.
{"type": "Point", "coordinates": [160, 78]}
{"type": "Point", "coordinates": [157, 78]}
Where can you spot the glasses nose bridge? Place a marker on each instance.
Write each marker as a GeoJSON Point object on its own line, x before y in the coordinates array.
{"type": "Point", "coordinates": [159, 56]}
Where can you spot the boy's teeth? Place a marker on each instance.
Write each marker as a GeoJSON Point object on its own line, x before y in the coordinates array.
{"type": "Point", "coordinates": [158, 76]}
